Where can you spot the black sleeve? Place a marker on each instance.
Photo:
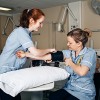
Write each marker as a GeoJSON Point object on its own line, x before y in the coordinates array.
{"type": "Point", "coordinates": [57, 56]}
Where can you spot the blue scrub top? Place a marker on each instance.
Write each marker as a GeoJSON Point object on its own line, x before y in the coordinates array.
{"type": "Point", "coordinates": [19, 39]}
{"type": "Point", "coordinates": [81, 87]}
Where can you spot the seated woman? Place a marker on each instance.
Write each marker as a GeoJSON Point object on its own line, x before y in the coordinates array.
{"type": "Point", "coordinates": [80, 63]}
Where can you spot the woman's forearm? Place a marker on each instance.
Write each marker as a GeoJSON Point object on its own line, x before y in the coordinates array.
{"type": "Point", "coordinates": [45, 57]}
{"type": "Point", "coordinates": [79, 69]}
{"type": "Point", "coordinates": [40, 52]}
{"type": "Point", "coordinates": [57, 56]}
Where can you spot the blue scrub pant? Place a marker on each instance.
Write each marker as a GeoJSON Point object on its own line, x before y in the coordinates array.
{"type": "Point", "coordinates": [61, 95]}
{"type": "Point", "coordinates": [4, 96]}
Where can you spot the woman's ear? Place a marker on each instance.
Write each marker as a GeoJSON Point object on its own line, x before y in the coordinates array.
{"type": "Point", "coordinates": [31, 20]}
{"type": "Point", "coordinates": [79, 43]}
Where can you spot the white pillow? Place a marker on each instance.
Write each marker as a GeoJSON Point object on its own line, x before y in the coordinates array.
{"type": "Point", "coordinates": [14, 82]}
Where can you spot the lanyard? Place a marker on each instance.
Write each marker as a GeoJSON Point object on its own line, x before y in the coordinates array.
{"type": "Point", "coordinates": [78, 62]}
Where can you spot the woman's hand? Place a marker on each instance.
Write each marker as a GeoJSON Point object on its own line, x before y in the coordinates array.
{"type": "Point", "coordinates": [48, 61]}
{"type": "Point", "coordinates": [20, 54]}
{"type": "Point", "coordinates": [53, 50]}
{"type": "Point", "coordinates": [68, 61]}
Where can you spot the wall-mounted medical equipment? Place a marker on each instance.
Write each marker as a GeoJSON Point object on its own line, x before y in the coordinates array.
{"type": "Point", "coordinates": [6, 24]}
{"type": "Point", "coordinates": [76, 8]}
{"type": "Point", "coordinates": [96, 6]}
{"type": "Point", "coordinates": [65, 10]}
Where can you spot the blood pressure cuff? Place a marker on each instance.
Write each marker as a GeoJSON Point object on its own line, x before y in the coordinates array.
{"type": "Point", "coordinates": [57, 56]}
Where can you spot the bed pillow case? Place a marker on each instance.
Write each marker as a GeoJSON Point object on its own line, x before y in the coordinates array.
{"type": "Point", "coordinates": [17, 81]}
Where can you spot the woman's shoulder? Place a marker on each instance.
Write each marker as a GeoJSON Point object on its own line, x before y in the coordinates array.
{"type": "Point", "coordinates": [91, 51]}
{"type": "Point", "coordinates": [19, 29]}
{"type": "Point", "coordinates": [66, 53]}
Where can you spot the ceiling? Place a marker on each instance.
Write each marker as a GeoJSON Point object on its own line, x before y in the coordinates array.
{"type": "Point", "coordinates": [19, 5]}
